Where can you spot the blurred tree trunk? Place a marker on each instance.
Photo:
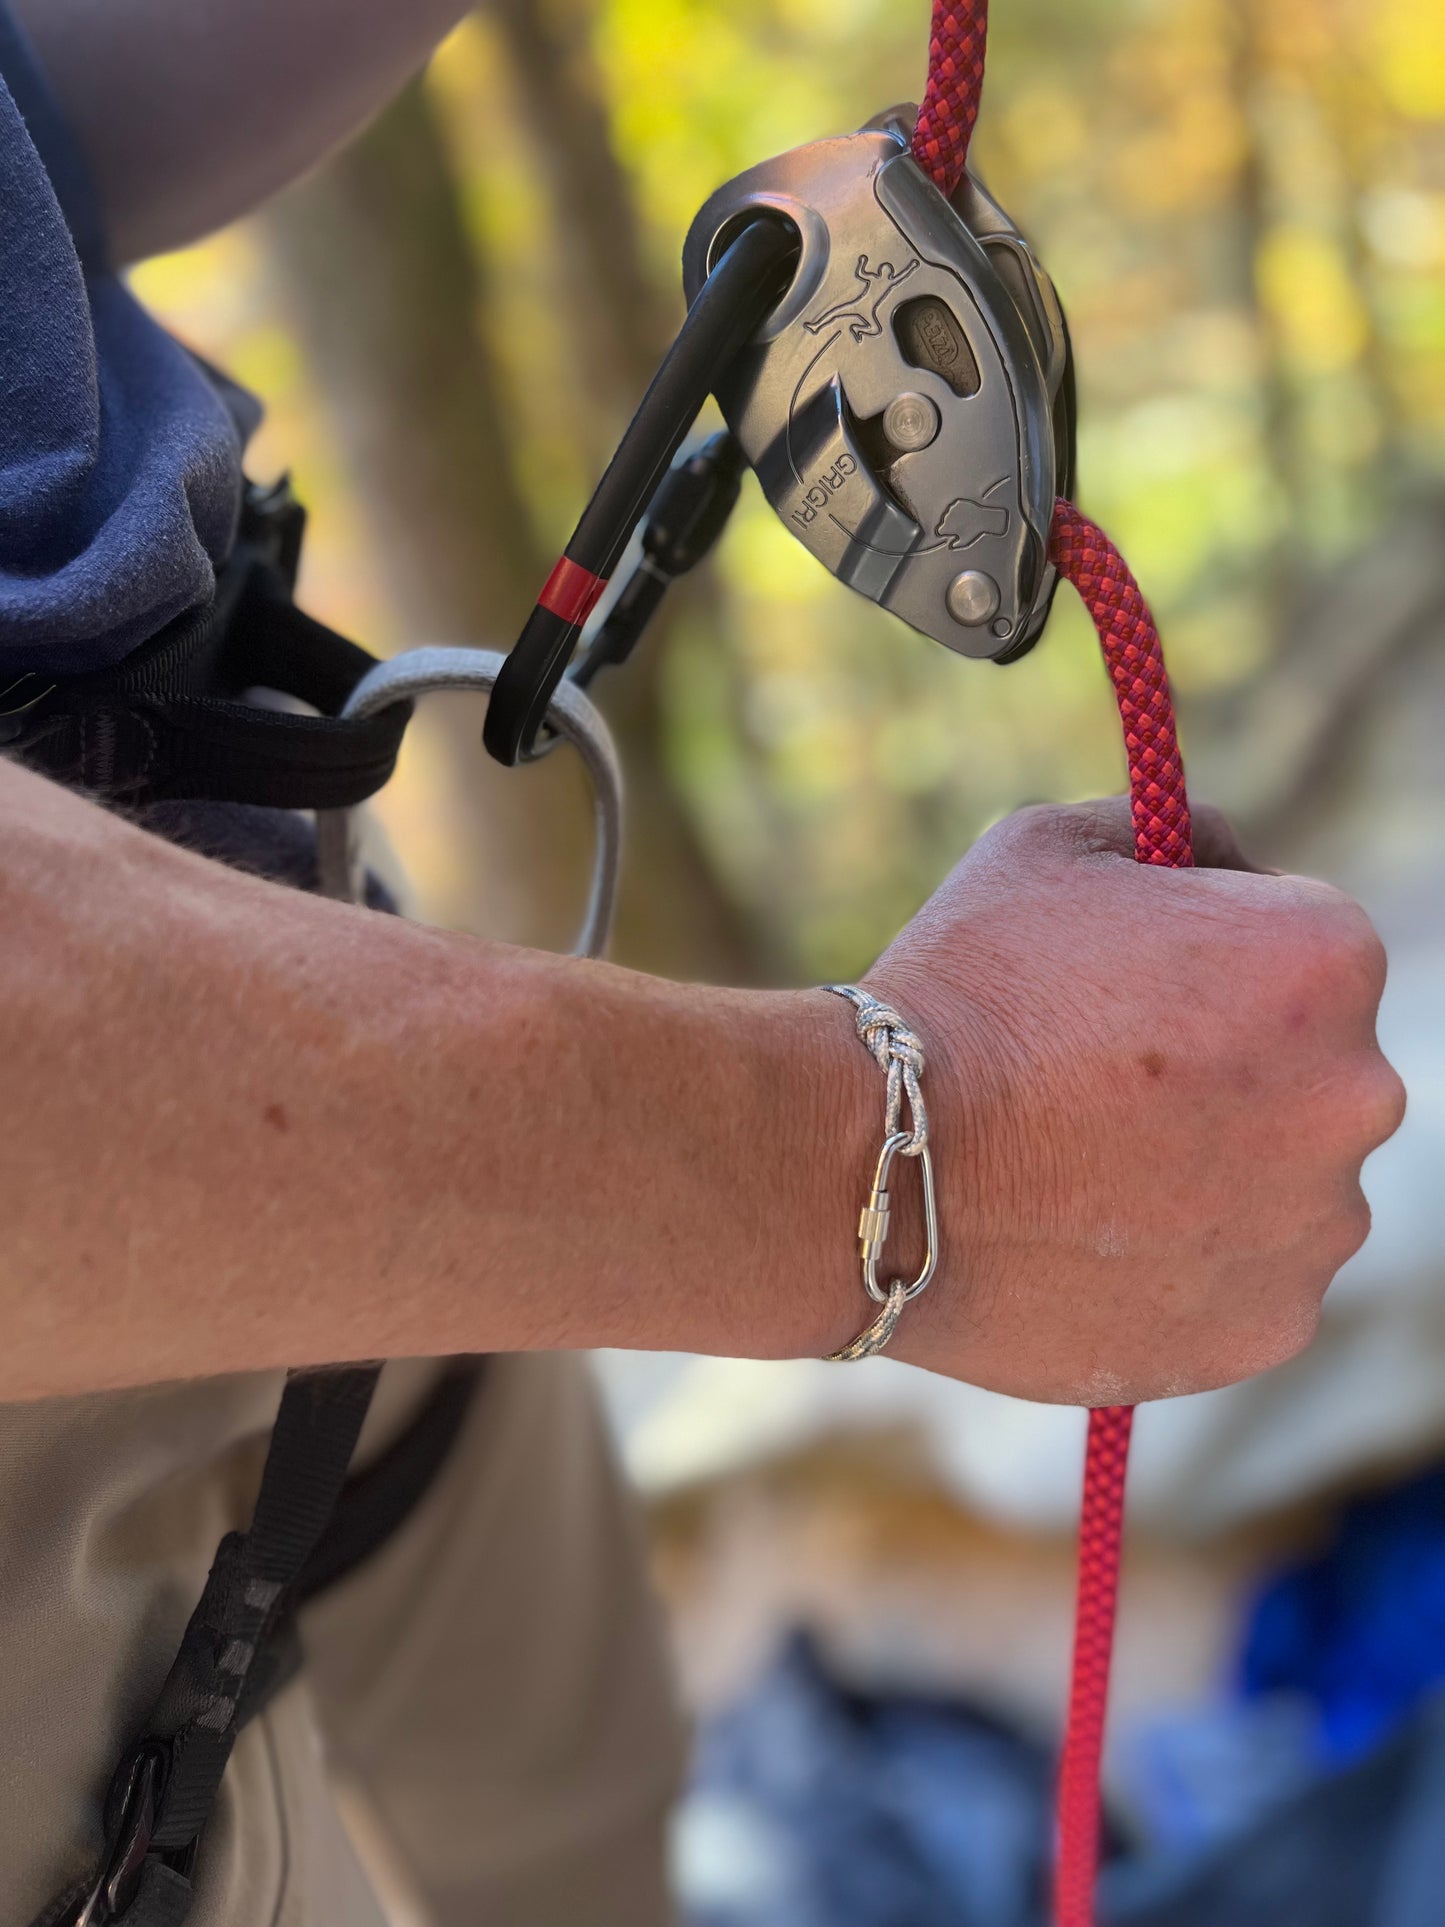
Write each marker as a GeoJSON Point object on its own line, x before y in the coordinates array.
{"type": "Point", "coordinates": [1278, 430]}
{"type": "Point", "coordinates": [628, 325]}
{"type": "Point", "coordinates": [388, 295]}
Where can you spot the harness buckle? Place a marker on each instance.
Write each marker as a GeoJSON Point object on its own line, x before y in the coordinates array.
{"type": "Point", "coordinates": [132, 1806]}
{"type": "Point", "coordinates": [908, 405]}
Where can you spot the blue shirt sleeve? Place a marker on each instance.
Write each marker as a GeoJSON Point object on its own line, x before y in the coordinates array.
{"type": "Point", "coordinates": [120, 453]}
{"type": "Point", "coordinates": [59, 152]}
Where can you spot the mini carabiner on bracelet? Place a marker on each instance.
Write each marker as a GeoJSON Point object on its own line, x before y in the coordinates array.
{"type": "Point", "coordinates": [874, 1221]}
{"type": "Point", "coordinates": [750, 275]}
{"type": "Point", "coordinates": [897, 1049]}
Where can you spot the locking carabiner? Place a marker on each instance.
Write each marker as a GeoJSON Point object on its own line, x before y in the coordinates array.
{"type": "Point", "coordinates": [876, 1215]}
{"type": "Point", "coordinates": [726, 309]}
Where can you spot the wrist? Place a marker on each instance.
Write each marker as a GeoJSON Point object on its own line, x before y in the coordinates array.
{"type": "Point", "coordinates": [980, 1173]}
{"type": "Point", "coordinates": [800, 1108]}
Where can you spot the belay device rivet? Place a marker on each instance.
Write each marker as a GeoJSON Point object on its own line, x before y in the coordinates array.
{"type": "Point", "coordinates": [910, 422]}
{"type": "Point", "coordinates": [972, 596]}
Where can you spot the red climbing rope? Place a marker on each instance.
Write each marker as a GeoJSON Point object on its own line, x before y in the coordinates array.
{"type": "Point", "coordinates": [1085, 556]}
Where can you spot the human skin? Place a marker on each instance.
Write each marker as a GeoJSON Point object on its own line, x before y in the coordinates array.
{"type": "Point", "coordinates": [192, 111]}
{"type": "Point", "coordinates": [245, 1127]}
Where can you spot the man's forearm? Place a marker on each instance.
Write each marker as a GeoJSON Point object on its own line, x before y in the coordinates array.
{"type": "Point", "coordinates": [243, 1127]}
{"type": "Point", "coordinates": [192, 111]}
{"type": "Point", "coordinates": [246, 1128]}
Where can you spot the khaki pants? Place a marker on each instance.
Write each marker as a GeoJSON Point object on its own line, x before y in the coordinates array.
{"type": "Point", "coordinates": [489, 1693]}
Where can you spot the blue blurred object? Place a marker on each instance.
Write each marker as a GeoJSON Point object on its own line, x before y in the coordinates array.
{"type": "Point", "coordinates": [1195, 1777]}
{"type": "Point", "coordinates": [1313, 1791]}
{"type": "Point", "coordinates": [814, 1806]}
{"type": "Point", "coordinates": [1359, 1632]}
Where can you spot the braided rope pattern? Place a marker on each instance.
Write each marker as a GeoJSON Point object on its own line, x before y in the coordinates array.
{"type": "Point", "coordinates": [1085, 556]}
{"type": "Point", "coordinates": [1160, 808]}
{"type": "Point", "coordinates": [1101, 1531]}
{"type": "Point", "coordinates": [956, 51]}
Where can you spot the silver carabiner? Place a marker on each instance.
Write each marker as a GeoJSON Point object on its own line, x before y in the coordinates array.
{"type": "Point", "coordinates": [874, 1220]}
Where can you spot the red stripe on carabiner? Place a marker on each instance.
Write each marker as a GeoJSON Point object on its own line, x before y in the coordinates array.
{"type": "Point", "coordinates": [571, 591]}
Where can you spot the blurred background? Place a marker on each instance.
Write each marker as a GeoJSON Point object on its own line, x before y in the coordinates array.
{"type": "Point", "coordinates": [1243, 205]}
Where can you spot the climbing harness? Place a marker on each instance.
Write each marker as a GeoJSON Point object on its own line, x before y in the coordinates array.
{"type": "Point", "coordinates": [893, 362]}
{"type": "Point", "coordinates": [172, 721]}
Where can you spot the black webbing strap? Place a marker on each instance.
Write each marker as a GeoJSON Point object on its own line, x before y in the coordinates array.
{"type": "Point", "coordinates": [171, 721]}
{"type": "Point", "coordinates": [167, 1781]}
{"type": "Point", "coordinates": [380, 1498]}
{"type": "Point", "coordinates": [239, 1650]}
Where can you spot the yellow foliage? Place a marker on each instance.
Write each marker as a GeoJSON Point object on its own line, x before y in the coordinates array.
{"type": "Point", "coordinates": [1244, 207]}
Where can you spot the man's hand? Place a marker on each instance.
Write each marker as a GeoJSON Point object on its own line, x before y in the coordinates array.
{"type": "Point", "coordinates": [1153, 1091]}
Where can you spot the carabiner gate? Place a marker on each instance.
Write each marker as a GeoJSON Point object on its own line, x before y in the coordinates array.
{"type": "Point", "coordinates": [874, 1219]}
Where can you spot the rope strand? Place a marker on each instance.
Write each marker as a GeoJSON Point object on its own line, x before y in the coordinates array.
{"type": "Point", "coordinates": [1086, 557]}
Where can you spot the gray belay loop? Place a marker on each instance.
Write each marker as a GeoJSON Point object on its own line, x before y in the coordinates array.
{"type": "Point", "coordinates": [233, 1655]}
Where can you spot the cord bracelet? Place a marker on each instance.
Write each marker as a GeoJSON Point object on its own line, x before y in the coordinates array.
{"type": "Point", "coordinates": [898, 1051]}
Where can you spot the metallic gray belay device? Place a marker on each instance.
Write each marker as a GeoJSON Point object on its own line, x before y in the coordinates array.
{"type": "Point", "coordinates": [908, 406]}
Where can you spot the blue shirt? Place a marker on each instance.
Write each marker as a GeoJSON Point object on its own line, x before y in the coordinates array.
{"type": "Point", "coordinates": [120, 452]}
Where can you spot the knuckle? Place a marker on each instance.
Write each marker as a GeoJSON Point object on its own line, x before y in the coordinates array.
{"type": "Point", "coordinates": [1361, 946]}
{"type": "Point", "coordinates": [1289, 1332]}
{"type": "Point", "coordinates": [1215, 843]}
{"type": "Point", "coordinates": [1381, 1102]}
{"type": "Point", "coordinates": [1054, 821]}
{"type": "Point", "coordinates": [1350, 1230]}
{"type": "Point", "coordinates": [1042, 834]}
{"type": "Point", "coordinates": [1035, 819]}
{"type": "Point", "coordinates": [1338, 951]}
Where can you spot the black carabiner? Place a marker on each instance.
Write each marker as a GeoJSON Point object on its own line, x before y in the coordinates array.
{"type": "Point", "coordinates": [742, 288]}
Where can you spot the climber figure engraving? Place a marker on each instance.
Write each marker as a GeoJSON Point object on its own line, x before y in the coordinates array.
{"type": "Point", "coordinates": [969, 519]}
{"type": "Point", "coordinates": [860, 310]}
